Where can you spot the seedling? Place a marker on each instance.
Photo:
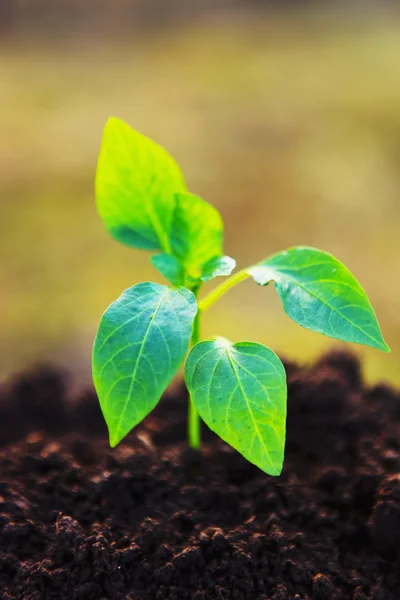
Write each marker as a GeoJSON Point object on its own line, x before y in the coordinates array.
{"type": "Point", "coordinates": [238, 389]}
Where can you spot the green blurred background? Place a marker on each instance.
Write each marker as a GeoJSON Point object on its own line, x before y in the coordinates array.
{"type": "Point", "coordinates": [288, 122]}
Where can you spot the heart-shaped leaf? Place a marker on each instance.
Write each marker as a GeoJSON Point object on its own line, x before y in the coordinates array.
{"type": "Point", "coordinates": [239, 391]}
{"type": "Point", "coordinates": [141, 342]}
{"type": "Point", "coordinates": [136, 181]}
{"type": "Point", "coordinates": [320, 293]}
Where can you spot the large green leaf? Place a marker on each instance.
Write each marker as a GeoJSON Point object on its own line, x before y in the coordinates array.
{"type": "Point", "coordinates": [320, 293]}
{"type": "Point", "coordinates": [196, 232]}
{"type": "Point", "coordinates": [239, 391]}
{"type": "Point", "coordinates": [141, 342]}
{"type": "Point", "coordinates": [136, 182]}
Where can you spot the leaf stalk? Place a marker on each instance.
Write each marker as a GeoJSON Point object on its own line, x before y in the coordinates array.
{"type": "Point", "coordinates": [221, 289]}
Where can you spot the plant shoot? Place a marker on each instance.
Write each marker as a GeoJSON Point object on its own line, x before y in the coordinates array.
{"type": "Point", "coordinates": [145, 336]}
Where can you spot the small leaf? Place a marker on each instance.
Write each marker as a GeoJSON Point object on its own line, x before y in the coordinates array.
{"type": "Point", "coordinates": [320, 293]}
{"type": "Point", "coordinates": [218, 266]}
{"type": "Point", "coordinates": [196, 232]}
{"type": "Point", "coordinates": [141, 342]}
{"type": "Point", "coordinates": [170, 267]}
{"type": "Point", "coordinates": [136, 181]}
{"type": "Point", "coordinates": [239, 391]}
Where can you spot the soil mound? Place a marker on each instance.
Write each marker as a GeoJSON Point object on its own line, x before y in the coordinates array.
{"type": "Point", "coordinates": [151, 520]}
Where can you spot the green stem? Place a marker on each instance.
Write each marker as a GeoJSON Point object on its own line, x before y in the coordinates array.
{"type": "Point", "coordinates": [194, 418]}
{"type": "Point", "coordinates": [213, 296]}
{"type": "Point", "coordinates": [221, 289]}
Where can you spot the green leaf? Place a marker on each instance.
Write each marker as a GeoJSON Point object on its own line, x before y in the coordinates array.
{"type": "Point", "coordinates": [320, 293]}
{"type": "Point", "coordinates": [239, 391]}
{"type": "Point", "coordinates": [141, 342]}
{"type": "Point", "coordinates": [196, 244]}
{"type": "Point", "coordinates": [169, 267]}
{"type": "Point", "coordinates": [136, 181]}
{"type": "Point", "coordinates": [218, 266]}
{"type": "Point", "coordinates": [196, 232]}
{"type": "Point", "coordinates": [174, 272]}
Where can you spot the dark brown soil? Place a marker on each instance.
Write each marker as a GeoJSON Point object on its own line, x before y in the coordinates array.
{"type": "Point", "coordinates": [151, 520]}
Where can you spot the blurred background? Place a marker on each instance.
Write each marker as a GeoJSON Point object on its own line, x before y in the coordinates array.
{"type": "Point", "coordinates": [286, 116]}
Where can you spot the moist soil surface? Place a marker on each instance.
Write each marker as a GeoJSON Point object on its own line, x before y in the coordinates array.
{"type": "Point", "coordinates": [151, 519]}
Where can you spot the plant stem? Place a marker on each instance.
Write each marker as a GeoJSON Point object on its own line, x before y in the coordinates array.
{"type": "Point", "coordinates": [221, 289]}
{"type": "Point", "coordinates": [194, 418]}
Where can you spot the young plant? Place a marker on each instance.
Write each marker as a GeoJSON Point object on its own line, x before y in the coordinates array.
{"type": "Point", "coordinates": [238, 389]}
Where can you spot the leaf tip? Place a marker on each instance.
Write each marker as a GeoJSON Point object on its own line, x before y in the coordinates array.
{"type": "Point", "coordinates": [272, 467]}
{"type": "Point", "coordinates": [114, 434]}
{"type": "Point", "coordinates": [114, 439]}
{"type": "Point", "coordinates": [113, 121]}
{"type": "Point", "coordinates": [276, 470]}
{"type": "Point", "coordinates": [381, 345]}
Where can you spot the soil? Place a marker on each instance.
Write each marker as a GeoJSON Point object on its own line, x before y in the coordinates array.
{"type": "Point", "coordinates": [151, 520]}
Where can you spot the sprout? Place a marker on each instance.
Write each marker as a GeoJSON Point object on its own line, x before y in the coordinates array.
{"type": "Point", "coordinates": [238, 389]}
